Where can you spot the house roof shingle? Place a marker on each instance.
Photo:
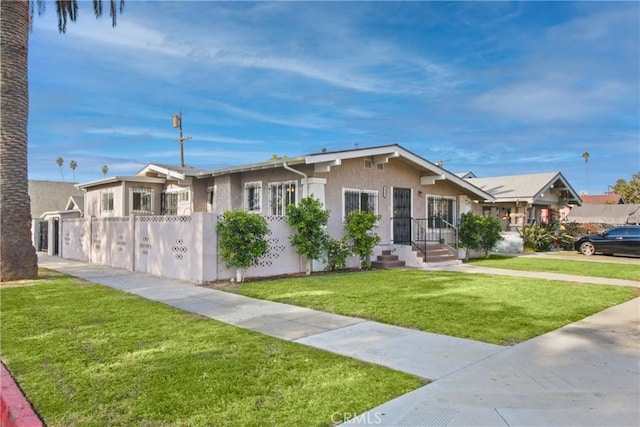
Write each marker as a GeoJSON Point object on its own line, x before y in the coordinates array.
{"type": "Point", "coordinates": [525, 188]}
{"type": "Point", "coordinates": [48, 196]}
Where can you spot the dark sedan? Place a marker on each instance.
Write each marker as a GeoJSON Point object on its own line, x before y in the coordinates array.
{"type": "Point", "coordinates": [619, 240]}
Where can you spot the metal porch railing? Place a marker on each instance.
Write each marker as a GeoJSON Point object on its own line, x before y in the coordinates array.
{"type": "Point", "coordinates": [419, 232]}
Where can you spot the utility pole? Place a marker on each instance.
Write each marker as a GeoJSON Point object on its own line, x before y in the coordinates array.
{"type": "Point", "coordinates": [177, 123]}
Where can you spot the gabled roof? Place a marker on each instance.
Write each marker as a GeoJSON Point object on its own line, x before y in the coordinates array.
{"type": "Point", "coordinates": [169, 171]}
{"type": "Point", "coordinates": [526, 188]}
{"type": "Point", "coordinates": [324, 161]}
{"type": "Point", "coordinates": [47, 196]}
{"type": "Point", "coordinates": [142, 179]}
{"type": "Point", "coordinates": [602, 199]}
{"type": "Point", "coordinates": [75, 203]}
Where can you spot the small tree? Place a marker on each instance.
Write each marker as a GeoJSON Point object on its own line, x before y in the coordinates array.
{"type": "Point", "coordinates": [479, 232]}
{"type": "Point", "coordinates": [469, 230]}
{"type": "Point", "coordinates": [241, 238]}
{"type": "Point", "coordinates": [309, 220]}
{"type": "Point", "coordinates": [358, 226]}
{"type": "Point", "coordinates": [490, 235]}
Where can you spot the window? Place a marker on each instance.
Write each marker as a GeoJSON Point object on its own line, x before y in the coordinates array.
{"type": "Point", "coordinates": [368, 164]}
{"type": "Point", "coordinates": [106, 203]}
{"type": "Point", "coordinates": [183, 196]}
{"type": "Point", "coordinates": [281, 194]}
{"type": "Point", "coordinates": [211, 191]}
{"type": "Point", "coordinates": [169, 204]}
{"type": "Point", "coordinates": [360, 200]}
{"type": "Point", "coordinates": [252, 192]}
{"type": "Point", "coordinates": [439, 210]}
{"type": "Point", "coordinates": [142, 200]}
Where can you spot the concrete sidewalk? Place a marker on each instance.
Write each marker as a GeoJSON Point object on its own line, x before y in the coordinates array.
{"type": "Point", "coordinates": [419, 353]}
{"type": "Point", "coordinates": [587, 373]}
{"type": "Point", "coordinates": [584, 374]}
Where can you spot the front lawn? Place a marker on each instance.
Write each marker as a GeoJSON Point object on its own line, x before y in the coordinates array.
{"type": "Point", "coordinates": [578, 267]}
{"type": "Point", "coordinates": [88, 355]}
{"type": "Point", "coordinates": [496, 309]}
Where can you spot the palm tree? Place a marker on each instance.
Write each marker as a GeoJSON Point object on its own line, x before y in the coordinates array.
{"type": "Point", "coordinates": [586, 156]}
{"type": "Point", "coordinates": [73, 165]}
{"type": "Point", "coordinates": [105, 169]}
{"type": "Point", "coordinates": [17, 255]}
{"type": "Point", "coordinates": [60, 162]}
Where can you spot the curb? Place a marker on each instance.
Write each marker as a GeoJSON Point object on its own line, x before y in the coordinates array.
{"type": "Point", "coordinates": [15, 410]}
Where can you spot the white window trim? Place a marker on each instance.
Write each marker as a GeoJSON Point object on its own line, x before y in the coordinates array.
{"type": "Point", "coordinates": [455, 206]}
{"type": "Point", "coordinates": [245, 196]}
{"type": "Point", "coordinates": [143, 191]}
{"type": "Point", "coordinates": [113, 202]}
{"type": "Point", "coordinates": [361, 190]}
{"type": "Point", "coordinates": [281, 183]}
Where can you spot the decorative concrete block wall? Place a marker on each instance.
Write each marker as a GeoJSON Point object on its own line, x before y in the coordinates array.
{"type": "Point", "coordinates": [76, 239]}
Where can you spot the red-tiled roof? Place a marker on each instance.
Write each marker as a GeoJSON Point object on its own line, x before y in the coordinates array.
{"type": "Point", "coordinates": [602, 199]}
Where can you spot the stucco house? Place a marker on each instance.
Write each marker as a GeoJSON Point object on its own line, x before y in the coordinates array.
{"type": "Point", "coordinates": [418, 201]}
{"type": "Point", "coordinates": [524, 199]}
{"type": "Point", "coordinates": [51, 201]}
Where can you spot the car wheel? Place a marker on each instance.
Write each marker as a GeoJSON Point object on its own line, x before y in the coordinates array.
{"type": "Point", "coordinates": [587, 248]}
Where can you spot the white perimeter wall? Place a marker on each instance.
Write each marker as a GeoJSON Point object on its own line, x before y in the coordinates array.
{"type": "Point", "coordinates": [179, 247]}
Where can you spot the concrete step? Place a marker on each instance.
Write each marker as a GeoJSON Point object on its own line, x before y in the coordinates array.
{"type": "Point", "coordinates": [387, 260]}
{"type": "Point", "coordinates": [387, 264]}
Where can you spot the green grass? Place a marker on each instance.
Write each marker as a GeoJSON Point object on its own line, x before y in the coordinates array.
{"type": "Point", "coordinates": [580, 268]}
{"type": "Point", "coordinates": [500, 309]}
{"type": "Point", "coordinates": [88, 355]}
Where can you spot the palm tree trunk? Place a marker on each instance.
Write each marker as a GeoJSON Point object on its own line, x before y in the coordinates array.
{"type": "Point", "coordinates": [17, 255]}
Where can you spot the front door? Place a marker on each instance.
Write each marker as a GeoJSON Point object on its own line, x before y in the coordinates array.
{"type": "Point", "coordinates": [56, 234]}
{"type": "Point", "coordinates": [43, 241]}
{"type": "Point", "coordinates": [402, 216]}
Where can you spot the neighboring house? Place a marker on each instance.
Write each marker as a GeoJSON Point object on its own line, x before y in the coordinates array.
{"type": "Point", "coordinates": [525, 199]}
{"type": "Point", "coordinates": [602, 199]}
{"type": "Point", "coordinates": [417, 200]}
{"type": "Point", "coordinates": [52, 201]}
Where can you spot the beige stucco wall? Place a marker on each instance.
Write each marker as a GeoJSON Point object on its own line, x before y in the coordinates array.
{"type": "Point", "coordinates": [396, 174]}
{"type": "Point", "coordinates": [157, 192]}
{"type": "Point", "coordinates": [92, 200]}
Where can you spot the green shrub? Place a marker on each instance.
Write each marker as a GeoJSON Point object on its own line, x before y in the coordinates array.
{"type": "Point", "coordinates": [309, 220]}
{"type": "Point", "coordinates": [538, 238]}
{"type": "Point", "coordinates": [337, 253]}
{"type": "Point", "coordinates": [479, 232]}
{"type": "Point", "coordinates": [490, 234]}
{"type": "Point", "coordinates": [358, 226]}
{"type": "Point", "coordinates": [241, 238]}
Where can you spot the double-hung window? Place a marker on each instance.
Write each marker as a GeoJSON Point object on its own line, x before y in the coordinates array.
{"type": "Point", "coordinates": [142, 200]}
{"type": "Point", "coordinates": [281, 194]}
{"type": "Point", "coordinates": [360, 200]}
{"type": "Point", "coordinates": [252, 192]}
{"type": "Point", "coordinates": [439, 210]}
{"type": "Point", "coordinates": [106, 202]}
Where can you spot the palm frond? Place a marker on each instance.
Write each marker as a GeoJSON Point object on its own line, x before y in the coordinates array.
{"type": "Point", "coordinates": [66, 10]}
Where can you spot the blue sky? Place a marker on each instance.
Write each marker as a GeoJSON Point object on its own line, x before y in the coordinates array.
{"type": "Point", "coordinates": [490, 87]}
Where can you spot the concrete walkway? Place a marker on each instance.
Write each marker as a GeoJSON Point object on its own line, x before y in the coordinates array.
{"type": "Point", "coordinates": [587, 373]}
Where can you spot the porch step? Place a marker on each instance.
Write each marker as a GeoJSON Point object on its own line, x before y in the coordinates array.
{"type": "Point", "coordinates": [386, 260]}
{"type": "Point", "coordinates": [436, 254]}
